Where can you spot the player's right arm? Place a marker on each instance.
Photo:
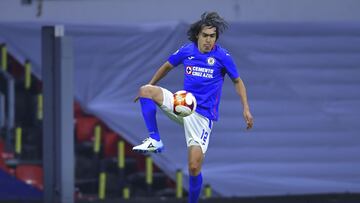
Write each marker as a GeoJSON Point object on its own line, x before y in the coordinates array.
{"type": "Point", "coordinates": [160, 73]}
{"type": "Point", "coordinates": [174, 60]}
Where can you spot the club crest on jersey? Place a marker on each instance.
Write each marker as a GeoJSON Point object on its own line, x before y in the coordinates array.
{"type": "Point", "coordinates": [211, 61]}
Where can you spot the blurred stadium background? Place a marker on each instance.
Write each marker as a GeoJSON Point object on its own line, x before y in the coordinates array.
{"type": "Point", "coordinates": [299, 60]}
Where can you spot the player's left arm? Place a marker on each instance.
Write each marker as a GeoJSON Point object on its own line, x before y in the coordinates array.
{"type": "Point", "coordinates": [241, 91]}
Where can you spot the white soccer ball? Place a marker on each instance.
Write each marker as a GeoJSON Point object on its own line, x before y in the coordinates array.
{"type": "Point", "coordinates": [184, 103]}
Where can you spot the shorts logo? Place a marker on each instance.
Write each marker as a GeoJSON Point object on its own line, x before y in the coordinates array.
{"type": "Point", "coordinates": [188, 70]}
{"type": "Point", "coordinates": [211, 61]}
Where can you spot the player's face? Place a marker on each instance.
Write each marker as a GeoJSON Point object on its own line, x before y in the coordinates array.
{"type": "Point", "coordinates": [206, 39]}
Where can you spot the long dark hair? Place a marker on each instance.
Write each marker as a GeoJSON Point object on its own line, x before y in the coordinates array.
{"type": "Point", "coordinates": [211, 19]}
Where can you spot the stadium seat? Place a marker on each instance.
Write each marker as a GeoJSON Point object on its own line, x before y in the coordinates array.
{"type": "Point", "coordinates": [2, 145]}
{"type": "Point", "coordinates": [31, 174]}
{"type": "Point", "coordinates": [110, 144]}
{"type": "Point", "coordinates": [3, 157]}
{"type": "Point", "coordinates": [78, 112]}
{"type": "Point", "coordinates": [84, 128]}
{"type": "Point", "coordinates": [3, 165]}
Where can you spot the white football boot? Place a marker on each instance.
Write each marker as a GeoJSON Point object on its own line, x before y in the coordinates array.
{"type": "Point", "coordinates": [149, 145]}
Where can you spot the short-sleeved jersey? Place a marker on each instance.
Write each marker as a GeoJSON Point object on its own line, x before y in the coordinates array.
{"type": "Point", "coordinates": [204, 75]}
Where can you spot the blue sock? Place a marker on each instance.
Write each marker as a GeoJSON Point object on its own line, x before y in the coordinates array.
{"type": "Point", "coordinates": [195, 188]}
{"type": "Point", "coordinates": [148, 109]}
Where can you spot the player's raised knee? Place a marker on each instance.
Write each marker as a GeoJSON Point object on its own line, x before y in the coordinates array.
{"type": "Point", "coordinates": [146, 91]}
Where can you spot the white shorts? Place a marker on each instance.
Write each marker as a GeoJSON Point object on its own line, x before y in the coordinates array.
{"type": "Point", "coordinates": [197, 127]}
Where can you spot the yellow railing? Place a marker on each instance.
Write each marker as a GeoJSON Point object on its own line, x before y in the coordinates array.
{"type": "Point", "coordinates": [3, 57]}
{"type": "Point", "coordinates": [179, 184]}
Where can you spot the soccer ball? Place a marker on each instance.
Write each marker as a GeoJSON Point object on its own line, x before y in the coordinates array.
{"type": "Point", "coordinates": [184, 103]}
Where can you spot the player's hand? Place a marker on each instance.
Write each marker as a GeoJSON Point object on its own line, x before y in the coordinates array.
{"type": "Point", "coordinates": [136, 98]}
{"type": "Point", "coordinates": [249, 119]}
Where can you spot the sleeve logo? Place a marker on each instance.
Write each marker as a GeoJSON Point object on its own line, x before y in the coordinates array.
{"type": "Point", "coordinates": [177, 51]}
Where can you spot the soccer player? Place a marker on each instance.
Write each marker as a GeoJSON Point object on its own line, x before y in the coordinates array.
{"type": "Point", "coordinates": [205, 64]}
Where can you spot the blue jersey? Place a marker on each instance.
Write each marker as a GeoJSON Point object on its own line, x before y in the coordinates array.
{"type": "Point", "coordinates": [204, 75]}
